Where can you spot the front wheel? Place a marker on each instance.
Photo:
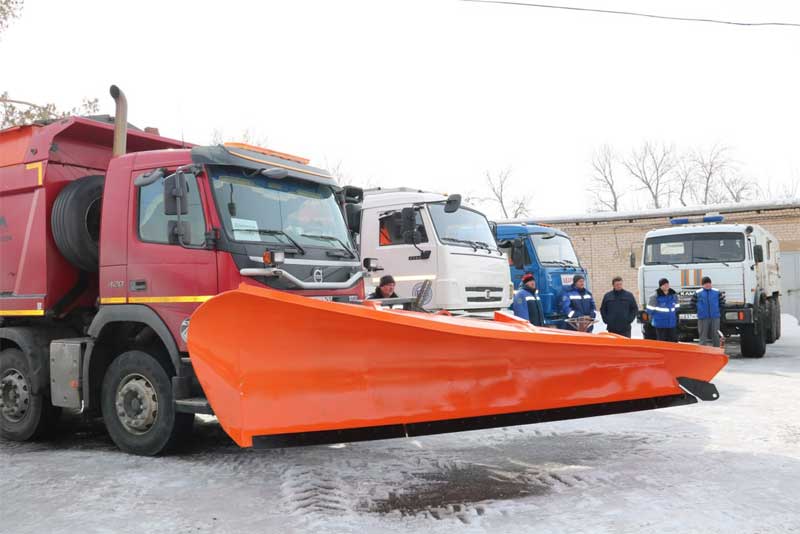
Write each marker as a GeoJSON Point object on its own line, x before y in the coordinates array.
{"type": "Point", "coordinates": [753, 339]}
{"type": "Point", "coordinates": [24, 415]}
{"type": "Point", "coordinates": [138, 406]}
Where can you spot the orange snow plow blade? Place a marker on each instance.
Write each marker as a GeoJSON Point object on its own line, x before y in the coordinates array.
{"type": "Point", "coordinates": [280, 370]}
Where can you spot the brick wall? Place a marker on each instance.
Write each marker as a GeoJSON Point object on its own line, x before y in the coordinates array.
{"type": "Point", "coordinates": [604, 246]}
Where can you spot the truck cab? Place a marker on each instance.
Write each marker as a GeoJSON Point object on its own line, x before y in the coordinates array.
{"type": "Point", "coordinates": [548, 254]}
{"type": "Point", "coordinates": [419, 236]}
{"type": "Point", "coordinates": [743, 263]}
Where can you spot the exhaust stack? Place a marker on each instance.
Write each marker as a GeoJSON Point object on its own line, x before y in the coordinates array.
{"type": "Point", "coordinates": [120, 121]}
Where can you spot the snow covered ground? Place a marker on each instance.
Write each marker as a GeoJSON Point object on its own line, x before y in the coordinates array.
{"type": "Point", "coordinates": [728, 466]}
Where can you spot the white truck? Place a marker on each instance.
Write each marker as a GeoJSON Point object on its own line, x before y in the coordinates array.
{"type": "Point", "coordinates": [742, 261]}
{"type": "Point", "coordinates": [417, 236]}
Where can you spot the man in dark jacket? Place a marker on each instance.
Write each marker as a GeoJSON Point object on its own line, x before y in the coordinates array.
{"type": "Point", "coordinates": [577, 301]}
{"type": "Point", "coordinates": [527, 303]}
{"type": "Point", "coordinates": [709, 303]}
{"type": "Point", "coordinates": [618, 309]}
{"type": "Point", "coordinates": [662, 308]}
{"type": "Point", "coordinates": [385, 289]}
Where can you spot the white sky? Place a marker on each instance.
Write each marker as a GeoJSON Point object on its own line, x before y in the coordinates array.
{"type": "Point", "coordinates": [430, 94]}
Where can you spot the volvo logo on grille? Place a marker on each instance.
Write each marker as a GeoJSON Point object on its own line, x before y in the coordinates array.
{"type": "Point", "coordinates": [488, 294]}
{"type": "Point", "coordinates": [318, 275]}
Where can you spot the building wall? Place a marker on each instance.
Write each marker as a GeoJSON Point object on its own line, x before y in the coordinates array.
{"type": "Point", "coordinates": [604, 246]}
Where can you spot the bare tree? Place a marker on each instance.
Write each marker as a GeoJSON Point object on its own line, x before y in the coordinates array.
{"type": "Point", "coordinates": [9, 10]}
{"type": "Point", "coordinates": [785, 191]}
{"type": "Point", "coordinates": [247, 136]}
{"type": "Point", "coordinates": [737, 188]}
{"type": "Point", "coordinates": [604, 184]}
{"type": "Point", "coordinates": [684, 179]}
{"type": "Point", "coordinates": [511, 207]}
{"type": "Point", "coordinates": [710, 166]}
{"type": "Point", "coordinates": [18, 112]}
{"type": "Point", "coordinates": [651, 166]}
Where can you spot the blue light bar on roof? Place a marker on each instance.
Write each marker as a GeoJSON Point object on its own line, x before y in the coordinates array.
{"type": "Point", "coordinates": [713, 218]}
{"type": "Point", "coordinates": [681, 220]}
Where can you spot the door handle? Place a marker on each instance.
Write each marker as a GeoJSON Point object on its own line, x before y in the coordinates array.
{"type": "Point", "coordinates": [138, 285]}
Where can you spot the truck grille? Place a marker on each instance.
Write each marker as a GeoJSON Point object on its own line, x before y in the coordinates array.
{"type": "Point", "coordinates": [484, 294]}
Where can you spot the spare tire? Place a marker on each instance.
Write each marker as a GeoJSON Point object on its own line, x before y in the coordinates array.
{"type": "Point", "coordinates": [75, 221]}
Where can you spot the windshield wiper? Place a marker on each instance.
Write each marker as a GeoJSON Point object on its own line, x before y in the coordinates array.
{"type": "Point", "coordinates": [473, 244]}
{"type": "Point", "coordinates": [331, 238]}
{"type": "Point", "coordinates": [281, 232]}
{"type": "Point", "coordinates": [484, 245]}
{"type": "Point", "coordinates": [711, 259]}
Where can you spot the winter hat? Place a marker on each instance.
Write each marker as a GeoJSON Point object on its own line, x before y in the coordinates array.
{"type": "Point", "coordinates": [386, 280]}
{"type": "Point", "coordinates": [662, 282]}
{"type": "Point", "coordinates": [577, 277]}
{"type": "Point", "coordinates": [527, 277]}
{"type": "Point", "coordinates": [706, 280]}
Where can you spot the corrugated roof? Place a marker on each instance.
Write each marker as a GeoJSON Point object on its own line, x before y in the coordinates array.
{"type": "Point", "coordinates": [663, 212]}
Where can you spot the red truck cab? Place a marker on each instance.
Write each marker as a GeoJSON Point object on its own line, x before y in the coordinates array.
{"type": "Point", "coordinates": [104, 258]}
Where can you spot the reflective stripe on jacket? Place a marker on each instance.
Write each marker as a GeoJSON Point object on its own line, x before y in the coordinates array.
{"type": "Point", "coordinates": [528, 305]}
{"type": "Point", "coordinates": [709, 303]}
{"type": "Point", "coordinates": [663, 309]}
{"type": "Point", "coordinates": [577, 303]}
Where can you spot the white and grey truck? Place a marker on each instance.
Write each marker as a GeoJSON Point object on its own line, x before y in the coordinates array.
{"type": "Point", "coordinates": [742, 261]}
{"type": "Point", "coordinates": [417, 236]}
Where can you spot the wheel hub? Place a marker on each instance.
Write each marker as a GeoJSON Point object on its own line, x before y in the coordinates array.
{"type": "Point", "coordinates": [137, 404]}
{"type": "Point", "coordinates": [15, 397]}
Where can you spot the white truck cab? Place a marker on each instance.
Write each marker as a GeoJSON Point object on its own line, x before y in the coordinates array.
{"type": "Point", "coordinates": [742, 261]}
{"type": "Point", "coordinates": [418, 236]}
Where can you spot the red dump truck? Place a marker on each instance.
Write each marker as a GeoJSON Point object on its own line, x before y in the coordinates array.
{"type": "Point", "coordinates": [146, 281]}
{"type": "Point", "coordinates": [110, 237]}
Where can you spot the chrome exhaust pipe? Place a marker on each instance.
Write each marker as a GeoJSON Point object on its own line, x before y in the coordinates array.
{"type": "Point", "coordinates": [120, 121]}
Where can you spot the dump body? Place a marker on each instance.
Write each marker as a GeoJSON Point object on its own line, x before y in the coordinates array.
{"type": "Point", "coordinates": [547, 253]}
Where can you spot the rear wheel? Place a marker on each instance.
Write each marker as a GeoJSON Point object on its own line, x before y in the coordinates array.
{"type": "Point", "coordinates": [138, 405]}
{"type": "Point", "coordinates": [777, 318]}
{"type": "Point", "coordinates": [753, 337]}
{"type": "Point", "coordinates": [24, 415]}
{"type": "Point", "coordinates": [771, 325]}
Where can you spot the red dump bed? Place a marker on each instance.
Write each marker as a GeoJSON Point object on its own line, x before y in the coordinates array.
{"type": "Point", "coordinates": [36, 162]}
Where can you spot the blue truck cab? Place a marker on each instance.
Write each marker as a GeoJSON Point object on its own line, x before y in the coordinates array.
{"type": "Point", "coordinates": [548, 254]}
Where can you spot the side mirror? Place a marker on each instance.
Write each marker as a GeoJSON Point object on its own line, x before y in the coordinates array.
{"type": "Point", "coordinates": [353, 194]}
{"type": "Point", "coordinates": [352, 212]}
{"type": "Point", "coordinates": [452, 204]}
{"type": "Point", "coordinates": [493, 228]}
{"type": "Point", "coordinates": [633, 260]}
{"type": "Point", "coordinates": [372, 265]}
{"type": "Point", "coordinates": [175, 190]}
{"type": "Point", "coordinates": [758, 253]}
{"type": "Point", "coordinates": [518, 253]}
{"type": "Point", "coordinates": [179, 232]}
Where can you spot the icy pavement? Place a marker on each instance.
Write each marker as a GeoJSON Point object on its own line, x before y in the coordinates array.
{"type": "Point", "coordinates": [728, 466]}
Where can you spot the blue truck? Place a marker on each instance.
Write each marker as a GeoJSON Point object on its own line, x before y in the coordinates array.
{"type": "Point", "coordinates": [548, 254]}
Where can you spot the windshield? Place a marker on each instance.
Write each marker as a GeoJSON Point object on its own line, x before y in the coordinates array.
{"type": "Point", "coordinates": [694, 248]}
{"type": "Point", "coordinates": [463, 227]}
{"type": "Point", "coordinates": [286, 211]}
{"type": "Point", "coordinates": [554, 249]}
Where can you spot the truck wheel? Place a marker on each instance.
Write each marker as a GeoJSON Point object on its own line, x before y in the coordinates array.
{"type": "Point", "coordinates": [24, 415]}
{"type": "Point", "coordinates": [75, 221]}
{"type": "Point", "coordinates": [648, 331]}
{"type": "Point", "coordinates": [754, 339]}
{"type": "Point", "coordinates": [770, 323]}
{"type": "Point", "coordinates": [138, 407]}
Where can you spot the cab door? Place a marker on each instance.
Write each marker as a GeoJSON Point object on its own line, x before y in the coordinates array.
{"type": "Point", "coordinates": [170, 278]}
{"type": "Point", "coordinates": [382, 236]}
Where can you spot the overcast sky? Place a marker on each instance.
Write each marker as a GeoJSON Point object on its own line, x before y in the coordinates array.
{"type": "Point", "coordinates": [430, 94]}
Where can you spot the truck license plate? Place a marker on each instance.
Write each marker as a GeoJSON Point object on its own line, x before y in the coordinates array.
{"type": "Point", "coordinates": [689, 316]}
